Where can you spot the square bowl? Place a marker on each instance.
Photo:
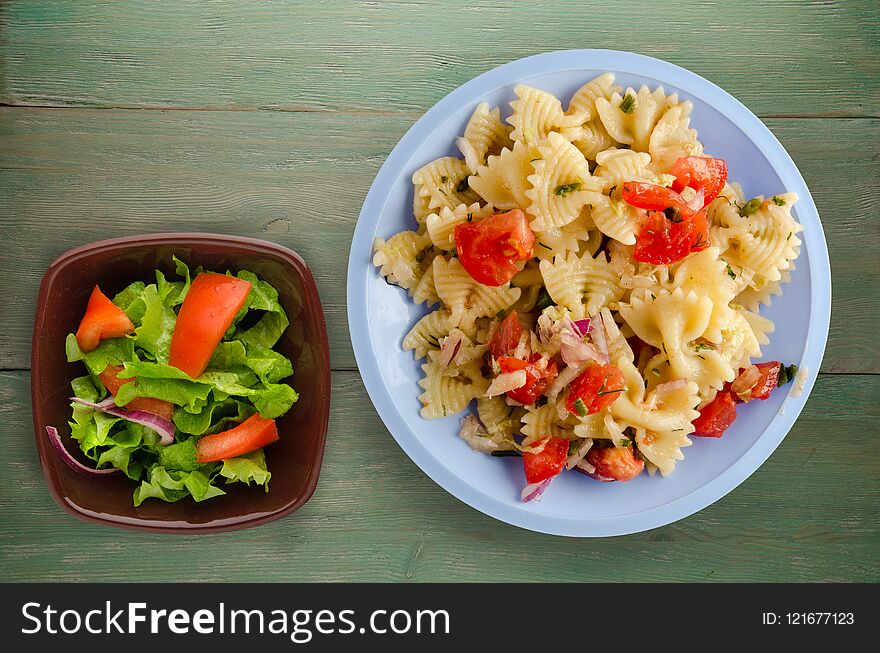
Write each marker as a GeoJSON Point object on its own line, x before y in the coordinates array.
{"type": "Point", "coordinates": [295, 460]}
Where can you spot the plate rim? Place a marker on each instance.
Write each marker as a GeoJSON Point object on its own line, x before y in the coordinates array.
{"type": "Point", "coordinates": [359, 264]}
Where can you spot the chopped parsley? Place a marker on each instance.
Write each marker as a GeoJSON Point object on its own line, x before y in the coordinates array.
{"type": "Point", "coordinates": [572, 448]}
{"type": "Point", "coordinates": [443, 179]}
{"type": "Point", "coordinates": [628, 104]}
{"type": "Point", "coordinates": [580, 407]}
{"type": "Point", "coordinates": [778, 201]}
{"type": "Point", "coordinates": [625, 442]}
{"type": "Point", "coordinates": [730, 272]}
{"type": "Point", "coordinates": [564, 189]}
{"type": "Point", "coordinates": [702, 346]}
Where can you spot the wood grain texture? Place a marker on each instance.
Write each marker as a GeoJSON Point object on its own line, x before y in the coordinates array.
{"type": "Point", "coordinates": [271, 118]}
{"type": "Point", "coordinates": [779, 58]}
{"type": "Point", "coordinates": [376, 517]}
{"type": "Point", "coordinates": [70, 176]}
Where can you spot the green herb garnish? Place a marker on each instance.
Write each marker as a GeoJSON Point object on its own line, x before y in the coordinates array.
{"type": "Point", "coordinates": [443, 179]}
{"type": "Point", "coordinates": [750, 207]}
{"type": "Point", "coordinates": [564, 189]}
{"type": "Point", "coordinates": [625, 442]}
{"type": "Point", "coordinates": [702, 346]}
{"type": "Point", "coordinates": [778, 201]}
{"type": "Point", "coordinates": [544, 299]}
{"type": "Point", "coordinates": [628, 103]}
{"type": "Point", "coordinates": [544, 246]}
{"type": "Point", "coordinates": [580, 407]}
{"type": "Point", "coordinates": [786, 374]}
{"type": "Point", "coordinates": [730, 272]}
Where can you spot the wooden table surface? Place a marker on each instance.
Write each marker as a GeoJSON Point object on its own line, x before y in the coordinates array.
{"type": "Point", "coordinates": [270, 119]}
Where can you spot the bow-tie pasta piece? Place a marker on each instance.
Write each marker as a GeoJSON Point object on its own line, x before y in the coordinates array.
{"type": "Point", "coordinates": [485, 134]}
{"type": "Point", "coordinates": [443, 182]}
{"type": "Point", "coordinates": [468, 299]}
{"type": "Point", "coordinates": [582, 284]}
{"type": "Point", "coordinates": [631, 118]}
{"type": "Point", "coordinates": [447, 394]}
{"type": "Point", "coordinates": [536, 113]}
{"type": "Point", "coordinates": [504, 180]}
{"type": "Point", "coordinates": [561, 186]}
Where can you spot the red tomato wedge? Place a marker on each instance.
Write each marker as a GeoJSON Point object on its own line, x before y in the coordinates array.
{"type": "Point", "coordinates": [506, 336]}
{"type": "Point", "coordinates": [595, 389]}
{"type": "Point", "coordinates": [250, 435]}
{"type": "Point", "coordinates": [103, 320]}
{"type": "Point", "coordinates": [537, 379]}
{"type": "Point", "coordinates": [615, 464]}
{"type": "Point", "coordinates": [716, 416]}
{"type": "Point", "coordinates": [110, 378]}
{"type": "Point", "coordinates": [702, 173]}
{"type": "Point", "coordinates": [489, 249]}
{"type": "Point", "coordinates": [670, 230]}
{"type": "Point", "coordinates": [767, 381]}
{"type": "Point", "coordinates": [206, 313]}
{"type": "Point", "coordinates": [548, 462]}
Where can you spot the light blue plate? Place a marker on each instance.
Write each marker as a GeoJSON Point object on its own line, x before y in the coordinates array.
{"type": "Point", "coordinates": [379, 315]}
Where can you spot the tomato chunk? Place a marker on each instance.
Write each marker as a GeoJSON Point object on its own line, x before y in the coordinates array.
{"type": "Point", "coordinates": [506, 336]}
{"type": "Point", "coordinates": [595, 389]}
{"type": "Point", "coordinates": [615, 463]}
{"type": "Point", "coordinates": [110, 378]}
{"type": "Point", "coordinates": [716, 416]}
{"type": "Point", "coordinates": [768, 379]}
{"type": "Point", "coordinates": [250, 435]}
{"type": "Point", "coordinates": [490, 248]}
{"type": "Point", "coordinates": [670, 230]}
{"type": "Point", "coordinates": [538, 379]}
{"type": "Point", "coordinates": [702, 173]}
{"type": "Point", "coordinates": [207, 312]}
{"type": "Point", "coordinates": [548, 462]}
{"type": "Point", "coordinates": [103, 320]}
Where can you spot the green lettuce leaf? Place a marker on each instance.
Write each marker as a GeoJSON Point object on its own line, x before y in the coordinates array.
{"type": "Point", "coordinates": [179, 456]}
{"type": "Point", "coordinates": [262, 297]}
{"type": "Point", "coordinates": [131, 301]}
{"type": "Point", "coordinates": [247, 468]}
{"type": "Point", "coordinates": [84, 387]}
{"type": "Point", "coordinates": [215, 417]}
{"type": "Point", "coordinates": [157, 324]}
{"type": "Point", "coordinates": [115, 351]}
{"type": "Point", "coordinates": [174, 485]}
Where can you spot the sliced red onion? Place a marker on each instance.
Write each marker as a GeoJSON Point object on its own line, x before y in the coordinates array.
{"type": "Point", "coordinates": [669, 386]}
{"type": "Point", "coordinates": [743, 384]}
{"type": "Point", "coordinates": [565, 377]}
{"type": "Point", "coordinates": [505, 382]}
{"type": "Point", "coordinates": [587, 469]}
{"type": "Point", "coordinates": [449, 349]}
{"type": "Point", "coordinates": [601, 342]}
{"type": "Point", "coordinates": [533, 490]}
{"type": "Point", "coordinates": [152, 421]}
{"type": "Point", "coordinates": [578, 456]}
{"type": "Point", "coordinates": [584, 468]}
{"type": "Point", "coordinates": [696, 202]}
{"type": "Point", "coordinates": [574, 349]}
{"type": "Point", "coordinates": [583, 327]}
{"type": "Point", "coordinates": [69, 460]}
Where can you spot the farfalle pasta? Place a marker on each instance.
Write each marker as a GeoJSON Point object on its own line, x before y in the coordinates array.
{"type": "Point", "coordinates": [596, 282]}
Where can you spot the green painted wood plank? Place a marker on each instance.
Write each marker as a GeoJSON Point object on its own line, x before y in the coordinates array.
{"type": "Point", "coordinates": [71, 176]}
{"type": "Point", "coordinates": [810, 513]}
{"type": "Point", "coordinates": [779, 58]}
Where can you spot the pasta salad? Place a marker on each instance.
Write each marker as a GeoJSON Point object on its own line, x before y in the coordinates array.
{"type": "Point", "coordinates": [596, 283]}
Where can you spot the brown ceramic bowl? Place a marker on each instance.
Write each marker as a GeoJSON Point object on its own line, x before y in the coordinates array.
{"type": "Point", "coordinates": [295, 460]}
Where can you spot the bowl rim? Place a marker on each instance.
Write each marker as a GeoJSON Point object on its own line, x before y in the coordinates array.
{"type": "Point", "coordinates": [468, 94]}
{"type": "Point", "coordinates": [251, 245]}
